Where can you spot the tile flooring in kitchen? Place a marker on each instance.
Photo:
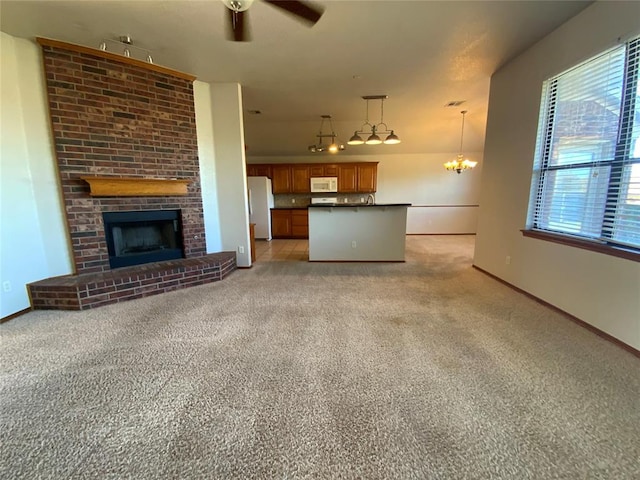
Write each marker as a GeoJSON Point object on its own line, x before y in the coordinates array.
{"type": "Point", "coordinates": [282, 250]}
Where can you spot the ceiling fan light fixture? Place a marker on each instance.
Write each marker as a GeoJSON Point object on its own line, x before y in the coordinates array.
{"type": "Point", "coordinates": [238, 21]}
{"type": "Point", "coordinates": [238, 5]}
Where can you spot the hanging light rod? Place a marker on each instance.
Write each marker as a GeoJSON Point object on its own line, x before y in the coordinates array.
{"type": "Point", "coordinates": [375, 97]}
{"type": "Point", "coordinates": [374, 130]}
{"type": "Point", "coordinates": [333, 147]}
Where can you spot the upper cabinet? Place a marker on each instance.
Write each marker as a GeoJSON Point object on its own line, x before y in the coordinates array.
{"type": "Point", "coordinates": [323, 170]}
{"type": "Point", "coordinates": [360, 177]}
{"type": "Point", "coordinates": [367, 177]}
{"type": "Point", "coordinates": [259, 170]}
{"type": "Point", "coordinates": [299, 179]}
{"type": "Point", "coordinates": [330, 170]}
{"type": "Point", "coordinates": [316, 170]}
{"type": "Point", "coordinates": [347, 178]}
{"type": "Point", "coordinates": [281, 179]}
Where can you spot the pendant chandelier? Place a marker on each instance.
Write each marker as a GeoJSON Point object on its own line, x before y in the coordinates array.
{"type": "Point", "coordinates": [332, 147]}
{"type": "Point", "coordinates": [374, 130]}
{"type": "Point", "coordinates": [460, 163]}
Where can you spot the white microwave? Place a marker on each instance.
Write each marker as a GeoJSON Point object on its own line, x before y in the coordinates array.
{"type": "Point", "coordinates": [324, 184]}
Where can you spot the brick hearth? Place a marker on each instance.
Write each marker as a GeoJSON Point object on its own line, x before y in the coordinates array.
{"type": "Point", "coordinates": [89, 290]}
{"type": "Point", "coordinates": [115, 117]}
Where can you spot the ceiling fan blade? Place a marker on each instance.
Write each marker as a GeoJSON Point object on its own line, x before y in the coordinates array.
{"type": "Point", "coordinates": [238, 30]}
{"type": "Point", "coordinates": [301, 10]}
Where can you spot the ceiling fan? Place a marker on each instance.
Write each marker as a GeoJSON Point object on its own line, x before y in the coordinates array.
{"type": "Point", "coordinates": [238, 30]}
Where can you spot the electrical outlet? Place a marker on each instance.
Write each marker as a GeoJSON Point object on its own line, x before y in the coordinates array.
{"type": "Point", "coordinates": [508, 260]}
{"type": "Point", "coordinates": [6, 286]}
{"type": "Point", "coordinates": [240, 249]}
{"type": "Point", "coordinates": [354, 244]}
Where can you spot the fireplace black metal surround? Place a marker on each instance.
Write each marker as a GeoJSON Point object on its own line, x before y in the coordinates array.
{"type": "Point", "coordinates": [145, 236]}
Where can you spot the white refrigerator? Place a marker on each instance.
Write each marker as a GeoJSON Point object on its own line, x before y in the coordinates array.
{"type": "Point", "coordinates": [260, 205]}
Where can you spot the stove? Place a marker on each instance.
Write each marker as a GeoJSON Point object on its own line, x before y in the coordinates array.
{"type": "Point", "coordinates": [324, 200]}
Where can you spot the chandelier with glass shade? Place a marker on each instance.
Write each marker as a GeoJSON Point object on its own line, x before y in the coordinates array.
{"type": "Point", "coordinates": [460, 163]}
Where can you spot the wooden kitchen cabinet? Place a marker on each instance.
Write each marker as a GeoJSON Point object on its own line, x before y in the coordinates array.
{"type": "Point", "coordinates": [281, 180]}
{"type": "Point", "coordinates": [252, 241]}
{"type": "Point", "coordinates": [316, 170]}
{"type": "Point", "coordinates": [290, 223]}
{"type": "Point", "coordinates": [330, 170]}
{"type": "Point", "coordinates": [323, 170]}
{"type": "Point", "coordinates": [259, 170]}
{"type": "Point", "coordinates": [347, 178]}
{"type": "Point", "coordinates": [367, 177]}
{"type": "Point", "coordinates": [281, 223]}
{"type": "Point", "coordinates": [300, 223]}
{"type": "Point", "coordinates": [300, 179]}
{"type": "Point", "coordinates": [359, 177]}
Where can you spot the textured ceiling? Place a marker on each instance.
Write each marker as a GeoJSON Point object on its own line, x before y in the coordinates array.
{"type": "Point", "coordinates": [422, 54]}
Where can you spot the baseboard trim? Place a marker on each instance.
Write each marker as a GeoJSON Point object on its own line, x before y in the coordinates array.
{"type": "Point", "coordinates": [574, 319]}
{"type": "Point", "coordinates": [14, 315]}
{"type": "Point", "coordinates": [436, 234]}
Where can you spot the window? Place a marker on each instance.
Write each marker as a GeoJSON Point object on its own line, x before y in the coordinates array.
{"type": "Point", "coordinates": [586, 175]}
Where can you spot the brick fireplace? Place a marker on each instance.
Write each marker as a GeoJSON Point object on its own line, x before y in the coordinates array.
{"type": "Point", "coordinates": [115, 117]}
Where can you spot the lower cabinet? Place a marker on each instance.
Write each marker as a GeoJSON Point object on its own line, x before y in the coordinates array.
{"type": "Point", "coordinates": [290, 223]}
{"type": "Point", "coordinates": [300, 223]}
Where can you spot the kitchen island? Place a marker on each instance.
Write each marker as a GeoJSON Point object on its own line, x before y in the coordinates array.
{"type": "Point", "coordinates": [357, 232]}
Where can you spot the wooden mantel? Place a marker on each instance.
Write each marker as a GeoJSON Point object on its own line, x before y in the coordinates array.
{"type": "Point", "coordinates": [135, 186]}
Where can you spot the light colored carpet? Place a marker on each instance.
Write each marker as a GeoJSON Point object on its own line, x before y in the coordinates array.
{"type": "Point", "coordinates": [426, 369]}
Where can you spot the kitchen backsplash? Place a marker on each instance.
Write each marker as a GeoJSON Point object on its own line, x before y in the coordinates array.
{"type": "Point", "coordinates": [292, 200]}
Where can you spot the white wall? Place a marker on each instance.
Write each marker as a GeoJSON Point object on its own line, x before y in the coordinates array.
{"type": "Point", "coordinates": [436, 195]}
{"type": "Point", "coordinates": [231, 179]}
{"type": "Point", "coordinates": [599, 289]}
{"type": "Point", "coordinates": [207, 161]}
{"type": "Point", "coordinates": [33, 239]}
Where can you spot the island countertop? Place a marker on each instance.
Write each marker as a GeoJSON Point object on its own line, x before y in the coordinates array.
{"type": "Point", "coordinates": [357, 232]}
{"type": "Point", "coordinates": [289, 208]}
{"type": "Point", "coordinates": [351, 205]}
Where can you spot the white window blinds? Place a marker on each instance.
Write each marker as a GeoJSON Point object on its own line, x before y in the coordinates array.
{"type": "Point", "coordinates": [586, 178]}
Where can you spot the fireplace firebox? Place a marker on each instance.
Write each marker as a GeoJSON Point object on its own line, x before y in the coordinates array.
{"type": "Point", "coordinates": [140, 237]}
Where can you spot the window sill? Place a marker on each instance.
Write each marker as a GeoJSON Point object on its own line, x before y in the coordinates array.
{"type": "Point", "coordinates": [584, 244]}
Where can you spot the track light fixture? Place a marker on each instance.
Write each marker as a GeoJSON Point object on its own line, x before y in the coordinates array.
{"type": "Point", "coordinates": [372, 136]}
{"type": "Point", "coordinates": [124, 46]}
{"type": "Point", "coordinates": [460, 163]}
{"type": "Point", "coordinates": [333, 147]}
